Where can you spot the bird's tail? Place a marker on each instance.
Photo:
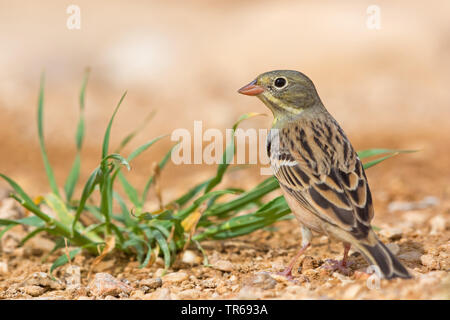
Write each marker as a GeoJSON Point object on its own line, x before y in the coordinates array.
{"type": "Point", "coordinates": [378, 254]}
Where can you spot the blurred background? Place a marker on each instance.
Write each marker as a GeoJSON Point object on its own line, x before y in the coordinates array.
{"type": "Point", "coordinates": [387, 87]}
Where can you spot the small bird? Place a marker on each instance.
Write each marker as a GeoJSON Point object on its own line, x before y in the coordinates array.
{"type": "Point", "coordinates": [320, 174]}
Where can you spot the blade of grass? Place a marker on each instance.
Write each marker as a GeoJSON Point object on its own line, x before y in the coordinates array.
{"type": "Point", "coordinates": [228, 154]}
{"type": "Point", "coordinates": [28, 221]}
{"type": "Point", "coordinates": [57, 226]}
{"type": "Point", "coordinates": [130, 191]}
{"type": "Point", "coordinates": [74, 173]}
{"type": "Point", "coordinates": [105, 200]}
{"type": "Point", "coordinates": [144, 147]}
{"type": "Point", "coordinates": [259, 191]}
{"type": "Point", "coordinates": [48, 168]}
{"type": "Point", "coordinates": [181, 201]}
{"type": "Point", "coordinates": [147, 256]}
{"type": "Point", "coordinates": [241, 225]}
{"type": "Point", "coordinates": [87, 190]}
{"type": "Point", "coordinates": [374, 152]}
{"type": "Point", "coordinates": [62, 260]}
{"type": "Point", "coordinates": [185, 212]}
{"type": "Point", "coordinates": [115, 157]}
{"type": "Point", "coordinates": [32, 234]}
{"type": "Point", "coordinates": [164, 247]}
{"type": "Point", "coordinates": [105, 147]}
{"type": "Point", "coordinates": [59, 207]}
{"type": "Point", "coordinates": [369, 164]}
{"type": "Point", "coordinates": [136, 243]}
{"type": "Point", "coordinates": [161, 166]}
{"type": "Point", "coordinates": [127, 220]}
{"type": "Point", "coordinates": [106, 187]}
{"type": "Point", "coordinates": [6, 229]}
{"type": "Point", "coordinates": [131, 135]}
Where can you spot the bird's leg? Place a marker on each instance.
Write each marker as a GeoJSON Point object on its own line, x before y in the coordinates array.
{"type": "Point", "coordinates": [306, 241]}
{"type": "Point", "coordinates": [347, 247]}
{"type": "Point", "coordinates": [288, 271]}
{"type": "Point", "coordinates": [342, 265]}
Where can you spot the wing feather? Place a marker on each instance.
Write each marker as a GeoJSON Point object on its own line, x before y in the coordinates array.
{"type": "Point", "coordinates": [327, 181]}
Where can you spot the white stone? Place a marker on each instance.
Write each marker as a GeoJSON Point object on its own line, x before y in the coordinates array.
{"type": "Point", "coordinates": [158, 273]}
{"type": "Point", "coordinates": [190, 257]}
{"type": "Point", "coordinates": [73, 277]}
{"type": "Point", "coordinates": [3, 267]}
{"type": "Point", "coordinates": [438, 225]}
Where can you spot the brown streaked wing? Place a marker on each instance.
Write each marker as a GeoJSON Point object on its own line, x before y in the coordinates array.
{"type": "Point", "coordinates": [339, 195]}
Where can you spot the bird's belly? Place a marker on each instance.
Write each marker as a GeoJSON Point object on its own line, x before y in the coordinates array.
{"type": "Point", "coordinates": [305, 217]}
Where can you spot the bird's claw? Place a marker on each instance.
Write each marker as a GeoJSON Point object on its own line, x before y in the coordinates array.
{"type": "Point", "coordinates": [287, 274]}
{"type": "Point", "coordinates": [338, 265]}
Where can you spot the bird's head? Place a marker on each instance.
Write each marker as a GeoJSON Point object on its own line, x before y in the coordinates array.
{"type": "Point", "coordinates": [287, 93]}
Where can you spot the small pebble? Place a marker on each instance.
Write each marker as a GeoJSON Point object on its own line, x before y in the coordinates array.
{"type": "Point", "coordinates": [159, 272]}
{"type": "Point", "coordinates": [391, 233]}
{"type": "Point", "coordinates": [161, 294]}
{"type": "Point", "coordinates": [344, 279]}
{"type": "Point", "coordinates": [208, 283]}
{"type": "Point", "coordinates": [351, 292]}
{"type": "Point", "coordinates": [10, 242]}
{"type": "Point", "coordinates": [73, 277]}
{"type": "Point", "coordinates": [42, 279]}
{"type": "Point", "coordinates": [175, 277]}
{"type": "Point", "coordinates": [426, 202]}
{"type": "Point", "coordinates": [33, 290]}
{"type": "Point", "coordinates": [395, 249]}
{"type": "Point", "coordinates": [262, 280]}
{"type": "Point", "coordinates": [309, 263]}
{"type": "Point", "coordinates": [411, 256]}
{"type": "Point", "coordinates": [235, 287]}
{"type": "Point", "coordinates": [151, 283]}
{"type": "Point", "coordinates": [3, 267]}
{"type": "Point", "coordinates": [429, 261]}
{"type": "Point", "coordinates": [105, 284]}
{"type": "Point", "coordinates": [190, 257]}
{"type": "Point", "coordinates": [10, 210]}
{"type": "Point", "coordinates": [137, 294]}
{"type": "Point", "coordinates": [223, 265]}
{"type": "Point", "coordinates": [438, 225]}
{"type": "Point", "coordinates": [189, 294]}
{"type": "Point", "coordinates": [249, 293]}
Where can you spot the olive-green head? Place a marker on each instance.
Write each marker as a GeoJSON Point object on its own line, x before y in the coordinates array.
{"type": "Point", "coordinates": [285, 92]}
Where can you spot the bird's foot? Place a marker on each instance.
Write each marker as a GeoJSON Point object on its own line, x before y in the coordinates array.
{"type": "Point", "coordinates": [287, 273]}
{"type": "Point", "coordinates": [338, 265]}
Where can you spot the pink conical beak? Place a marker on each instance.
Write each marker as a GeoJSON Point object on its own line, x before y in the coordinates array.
{"type": "Point", "coordinates": [252, 89]}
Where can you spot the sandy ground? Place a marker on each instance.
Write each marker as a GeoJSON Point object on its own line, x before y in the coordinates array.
{"type": "Point", "coordinates": [388, 88]}
{"type": "Point", "coordinates": [412, 211]}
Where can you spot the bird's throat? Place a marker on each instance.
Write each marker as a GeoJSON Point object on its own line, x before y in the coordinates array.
{"type": "Point", "coordinates": [281, 110]}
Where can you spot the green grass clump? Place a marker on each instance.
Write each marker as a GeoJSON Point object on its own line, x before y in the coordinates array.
{"type": "Point", "coordinates": [195, 216]}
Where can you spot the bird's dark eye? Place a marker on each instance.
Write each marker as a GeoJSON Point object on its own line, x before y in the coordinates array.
{"type": "Point", "coordinates": [280, 82]}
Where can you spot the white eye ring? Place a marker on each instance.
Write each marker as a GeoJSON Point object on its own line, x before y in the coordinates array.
{"type": "Point", "coordinates": [280, 82]}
